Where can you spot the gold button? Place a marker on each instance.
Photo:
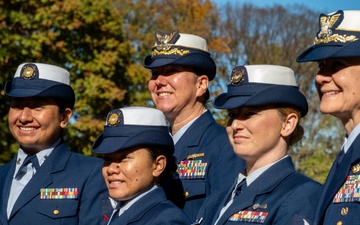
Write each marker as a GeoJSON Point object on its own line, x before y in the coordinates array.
{"type": "Point", "coordinates": [344, 211]}
{"type": "Point", "coordinates": [56, 212]}
{"type": "Point", "coordinates": [186, 193]}
{"type": "Point", "coordinates": [339, 223]}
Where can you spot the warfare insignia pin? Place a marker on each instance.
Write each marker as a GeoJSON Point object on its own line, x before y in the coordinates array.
{"type": "Point", "coordinates": [29, 71]}
{"type": "Point", "coordinates": [165, 40]}
{"type": "Point", "coordinates": [238, 75]}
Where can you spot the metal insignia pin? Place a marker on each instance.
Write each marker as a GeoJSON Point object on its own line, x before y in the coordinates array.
{"type": "Point", "coordinates": [355, 168]}
{"type": "Point", "coordinates": [259, 206]}
{"type": "Point", "coordinates": [326, 23]}
{"type": "Point", "coordinates": [237, 75]}
{"type": "Point", "coordinates": [113, 119]}
{"type": "Point", "coordinates": [164, 40]}
{"type": "Point", "coordinates": [29, 71]}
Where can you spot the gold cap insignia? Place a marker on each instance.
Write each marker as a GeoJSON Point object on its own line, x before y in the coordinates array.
{"type": "Point", "coordinates": [114, 117]}
{"type": "Point", "coordinates": [329, 26]}
{"type": "Point", "coordinates": [165, 40]}
{"type": "Point", "coordinates": [238, 75]}
{"type": "Point", "coordinates": [29, 71]}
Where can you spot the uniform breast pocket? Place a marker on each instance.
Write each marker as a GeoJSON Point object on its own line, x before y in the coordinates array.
{"type": "Point", "coordinates": [58, 208]}
{"type": "Point", "coordinates": [343, 213]}
{"type": "Point", "coordinates": [194, 188]}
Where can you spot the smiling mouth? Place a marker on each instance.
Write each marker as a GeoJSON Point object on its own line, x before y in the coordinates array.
{"type": "Point", "coordinates": [162, 94]}
{"type": "Point", "coordinates": [27, 128]}
{"type": "Point", "coordinates": [114, 181]}
{"type": "Point", "coordinates": [330, 92]}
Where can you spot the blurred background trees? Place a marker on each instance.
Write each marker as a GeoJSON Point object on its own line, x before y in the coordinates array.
{"type": "Point", "coordinates": [103, 43]}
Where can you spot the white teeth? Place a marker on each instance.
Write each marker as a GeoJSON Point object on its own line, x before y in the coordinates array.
{"type": "Point", "coordinates": [164, 94]}
{"type": "Point", "coordinates": [331, 93]}
{"type": "Point", "coordinates": [27, 128]}
{"type": "Point", "coordinates": [115, 181]}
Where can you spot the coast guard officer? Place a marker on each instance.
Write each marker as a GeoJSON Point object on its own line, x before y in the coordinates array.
{"type": "Point", "coordinates": [336, 49]}
{"type": "Point", "coordinates": [46, 183]}
{"type": "Point", "coordinates": [181, 69]}
{"type": "Point", "coordinates": [138, 152]}
{"type": "Point", "coordinates": [264, 106]}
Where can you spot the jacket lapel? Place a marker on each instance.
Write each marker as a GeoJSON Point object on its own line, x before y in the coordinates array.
{"type": "Point", "coordinates": [192, 139]}
{"type": "Point", "coordinates": [142, 206]}
{"type": "Point", "coordinates": [55, 162]}
{"type": "Point", "coordinates": [337, 177]}
{"type": "Point", "coordinates": [265, 183]}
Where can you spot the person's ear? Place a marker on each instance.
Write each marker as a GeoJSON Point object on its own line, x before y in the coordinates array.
{"type": "Point", "coordinates": [66, 115]}
{"type": "Point", "coordinates": [289, 125]}
{"type": "Point", "coordinates": [159, 165]}
{"type": "Point", "coordinates": [202, 85]}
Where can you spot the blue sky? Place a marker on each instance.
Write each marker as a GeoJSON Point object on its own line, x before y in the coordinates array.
{"type": "Point", "coordinates": [323, 6]}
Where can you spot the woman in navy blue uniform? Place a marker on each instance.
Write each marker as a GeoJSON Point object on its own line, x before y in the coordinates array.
{"type": "Point", "coordinates": [56, 186]}
{"type": "Point", "coordinates": [138, 153]}
{"type": "Point", "coordinates": [336, 49]}
{"type": "Point", "coordinates": [181, 69]}
{"type": "Point", "coordinates": [264, 107]}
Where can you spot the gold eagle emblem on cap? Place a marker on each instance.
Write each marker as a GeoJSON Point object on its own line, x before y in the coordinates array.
{"type": "Point", "coordinates": [328, 27]}
{"type": "Point", "coordinates": [326, 23]}
{"type": "Point", "coordinates": [165, 40]}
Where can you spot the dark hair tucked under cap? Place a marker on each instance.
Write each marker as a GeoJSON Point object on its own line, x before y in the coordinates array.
{"type": "Point", "coordinates": [261, 85]}
{"type": "Point", "coordinates": [134, 127]}
{"type": "Point", "coordinates": [338, 37]}
{"type": "Point", "coordinates": [41, 80]}
{"type": "Point", "coordinates": [181, 49]}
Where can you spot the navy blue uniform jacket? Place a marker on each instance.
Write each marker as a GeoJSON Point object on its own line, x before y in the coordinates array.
{"type": "Point", "coordinates": [207, 141]}
{"type": "Point", "coordinates": [62, 169]}
{"type": "Point", "coordinates": [152, 209]}
{"type": "Point", "coordinates": [286, 196]}
{"type": "Point", "coordinates": [346, 213]}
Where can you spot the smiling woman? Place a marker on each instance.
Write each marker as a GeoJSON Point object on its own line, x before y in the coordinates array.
{"type": "Point", "coordinates": [336, 50]}
{"type": "Point", "coordinates": [36, 123]}
{"type": "Point", "coordinates": [138, 160]}
{"type": "Point", "coordinates": [41, 106]}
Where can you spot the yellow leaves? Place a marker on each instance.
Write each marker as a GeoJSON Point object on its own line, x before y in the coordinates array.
{"type": "Point", "coordinates": [220, 44]}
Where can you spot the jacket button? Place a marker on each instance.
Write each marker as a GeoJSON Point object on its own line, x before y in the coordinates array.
{"type": "Point", "coordinates": [344, 211]}
{"type": "Point", "coordinates": [186, 193]}
{"type": "Point", "coordinates": [56, 212]}
{"type": "Point", "coordinates": [339, 223]}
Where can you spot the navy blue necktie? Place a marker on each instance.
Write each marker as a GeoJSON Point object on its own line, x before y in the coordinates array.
{"type": "Point", "coordinates": [240, 187]}
{"type": "Point", "coordinates": [28, 159]}
{"type": "Point", "coordinates": [340, 156]}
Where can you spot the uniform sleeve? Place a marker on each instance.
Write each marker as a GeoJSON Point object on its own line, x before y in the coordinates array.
{"type": "Point", "coordinates": [91, 200]}
{"type": "Point", "coordinates": [299, 208]}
